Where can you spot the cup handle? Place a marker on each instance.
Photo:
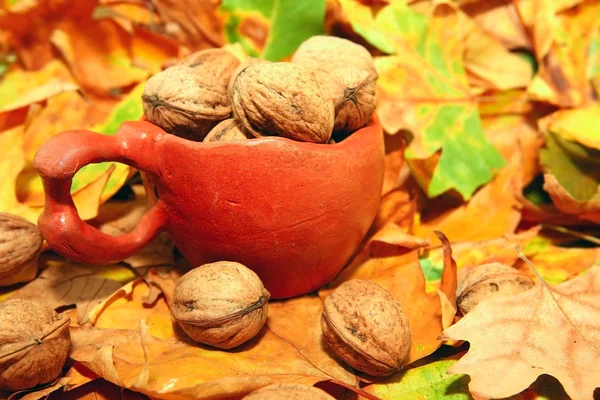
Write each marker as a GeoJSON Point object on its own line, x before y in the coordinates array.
{"type": "Point", "coordinates": [57, 161]}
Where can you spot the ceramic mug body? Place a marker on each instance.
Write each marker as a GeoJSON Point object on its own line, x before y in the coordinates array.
{"type": "Point", "coordinates": [293, 212]}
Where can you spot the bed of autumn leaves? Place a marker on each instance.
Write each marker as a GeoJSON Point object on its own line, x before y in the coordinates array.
{"type": "Point", "coordinates": [492, 120]}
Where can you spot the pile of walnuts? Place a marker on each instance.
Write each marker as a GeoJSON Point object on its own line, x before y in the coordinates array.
{"type": "Point", "coordinates": [323, 95]}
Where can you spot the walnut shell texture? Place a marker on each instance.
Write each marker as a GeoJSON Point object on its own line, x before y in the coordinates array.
{"type": "Point", "coordinates": [346, 72]}
{"type": "Point", "coordinates": [20, 247]}
{"type": "Point", "coordinates": [190, 98]}
{"type": "Point", "coordinates": [229, 129]}
{"type": "Point", "coordinates": [246, 63]}
{"type": "Point", "coordinates": [221, 304]}
{"type": "Point", "coordinates": [34, 344]}
{"type": "Point", "coordinates": [366, 327]}
{"type": "Point", "coordinates": [283, 99]}
{"type": "Point", "coordinates": [288, 391]}
{"type": "Point", "coordinates": [488, 281]}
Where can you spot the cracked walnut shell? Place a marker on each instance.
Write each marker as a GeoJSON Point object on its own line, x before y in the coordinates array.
{"type": "Point", "coordinates": [34, 344]}
{"type": "Point", "coordinates": [283, 99]}
{"type": "Point", "coordinates": [487, 281]}
{"type": "Point", "coordinates": [288, 391]}
{"type": "Point", "coordinates": [366, 327]}
{"type": "Point", "coordinates": [190, 98]}
{"type": "Point", "coordinates": [20, 247]}
{"type": "Point", "coordinates": [222, 304]}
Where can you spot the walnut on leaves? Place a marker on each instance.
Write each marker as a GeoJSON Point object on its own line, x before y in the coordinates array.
{"type": "Point", "coordinates": [221, 304]}
{"type": "Point", "coordinates": [288, 391]}
{"type": "Point", "coordinates": [487, 281]}
{"type": "Point", "coordinates": [34, 344]}
{"type": "Point", "coordinates": [189, 98]}
{"type": "Point", "coordinates": [366, 327]}
{"type": "Point", "coordinates": [20, 247]}
{"type": "Point", "coordinates": [282, 99]}
{"type": "Point", "coordinates": [346, 72]}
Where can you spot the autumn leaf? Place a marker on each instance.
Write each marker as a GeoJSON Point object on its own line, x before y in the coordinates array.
{"type": "Point", "coordinates": [64, 284]}
{"type": "Point", "coordinates": [283, 352]}
{"type": "Point", "coordinates": [572, 177]}
{"type": "Point", "coordinates": [437, 106]}
{"type": "Point", "coordinates": [427, 381]}
{"type": "Point", "coordinates": [283, 24]}
{"type": "Point", "coordinates": [526, 325]}
{"type": "Point", "coordinates": [20, 88]}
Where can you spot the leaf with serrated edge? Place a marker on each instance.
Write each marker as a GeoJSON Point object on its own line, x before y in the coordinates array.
{"type": "Point", "coordinates": [552, 330]}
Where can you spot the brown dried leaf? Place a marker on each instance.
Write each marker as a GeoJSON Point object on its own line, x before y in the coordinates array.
{"type": "Point", "coordinates": [526, 325]}
{"type": "Point", "coordinates": [67, 284]}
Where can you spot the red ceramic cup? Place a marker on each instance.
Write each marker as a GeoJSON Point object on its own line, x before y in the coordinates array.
{"type": "Point", "coordinates": [293, 212]}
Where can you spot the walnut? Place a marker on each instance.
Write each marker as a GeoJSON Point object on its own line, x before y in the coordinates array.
{"type": "Point", "coordinates": [190, 98]}
{"type": "Point", "coordinates": [487, 281]}
{"type": "Point", "coordinates": [20, 247]}
{"type": "Point", "coordinates": [34, 344]}
{"type": "Point", "coordinates": [282, 99]}
{"type": "Point", "coordinates": [366, 327]}
{"type": "Point", "coordinates": [230, 129]}
{"type": "Point", "coordinates": [248, 62]}
{"type": "Point", "coordinates": [288, 391]}
{"type": "Point", "coordinates": [346, 72]}
{"type": "Point", "coordinates": [222, 304]}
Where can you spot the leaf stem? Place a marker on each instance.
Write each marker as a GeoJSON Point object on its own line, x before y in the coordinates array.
{"type": "Point", "coordinates": [561, 229]}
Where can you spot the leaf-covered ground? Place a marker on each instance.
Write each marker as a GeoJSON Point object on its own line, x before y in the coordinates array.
{"type": "Point", "coordinates": [491, 118]}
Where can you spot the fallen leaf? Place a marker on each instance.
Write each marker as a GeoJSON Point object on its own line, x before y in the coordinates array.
{"type": "Point", "coordinates": [495, 207]}
{"type": "Point", "coordinates": [96, 49]}
{"type": "Point", "coordinates": [40, 393]}
{"type": "Point", "coordinates": [526, 324]}
{"type": "Point", "coordinates": [20, 88]}
{"type": "Point", "coordinates": [281, 353]}
{"type": "Point", "coordinates": [562, 78]}
{"type": "Point", "coordinates": [64, 284]}
{"type": "Point", "coordinates": [577, 125]}
{"type": "Point", "coordinates": [572, 177]}
{"type": "Point", "coordinates": [423, 382]}
{"type": "Point", "coordinates": [425, 90]}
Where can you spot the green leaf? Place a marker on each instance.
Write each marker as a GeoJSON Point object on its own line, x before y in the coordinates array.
{"type": "Point", "coordinates": [575, 166]}
{"type": "Point", "coordinates": [429, 381]}
{"type": "Point", "coordinates": [431, 271]}
{"type": "Point", "coordinates": [291, 23]}
{"type": "Point", "coordinates": [394, 24]}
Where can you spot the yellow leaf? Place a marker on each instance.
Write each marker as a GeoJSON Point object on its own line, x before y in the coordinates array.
{"type": "Point", "coordinates": [578, 124]}
{"type": "Point", "coordinates": [20, 88]}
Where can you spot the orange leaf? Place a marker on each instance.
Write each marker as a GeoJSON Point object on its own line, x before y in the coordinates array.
{"type": "Point", "coordinates": [98, 53]}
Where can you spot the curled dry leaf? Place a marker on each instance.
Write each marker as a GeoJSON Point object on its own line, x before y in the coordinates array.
{"type": "Point", "coordinates": [190, 98]}
{"type": "Point", "coordinates": [288, 391]}
{"type": "Point", "coordinates": [488, 281]}
{"type": "Point", "coordinates": [230, 129]}
{"type": "Point", "coordinates": [34, 344]}
{"type": "Point", "coordinates": [531, 345]}
{"type": "Point", "coordinates": [20, 247]}
{"type": "Point", "coordinates": [366, 327]}
{"type": "Point", "coordinates": [283, 99]}
{"type": "Point", "coordinates": [222, 304]}
{"type": "Point", "coordinates": [346, 72]}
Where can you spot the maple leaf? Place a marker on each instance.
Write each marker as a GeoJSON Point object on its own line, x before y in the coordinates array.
{"type": "Point", "coordinates": [515, 339]}
{"type": "Point", "coordinates": [424, 88]}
